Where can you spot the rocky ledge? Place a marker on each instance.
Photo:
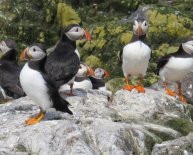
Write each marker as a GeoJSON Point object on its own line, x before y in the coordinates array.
{"type": "Point", "coordinates": [127, 123]}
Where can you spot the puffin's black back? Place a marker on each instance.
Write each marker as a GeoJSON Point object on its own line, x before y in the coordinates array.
{"type": "Point", "coordinates": [97, 83]}
{"type": "Point", "coordinates": [9, 74]}
{"type": "Point", "coordinates": [164, 60]}
{"type": "Point", "coordinates": [63, 63]}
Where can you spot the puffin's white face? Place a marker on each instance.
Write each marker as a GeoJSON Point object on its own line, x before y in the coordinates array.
{"type": "Point", "coordinates": [33, 53]}
{"type": "Point", "coordinates": [3, 47]}
{"type": "Point", "coordinates": [75, 33]}
{"type": "Point", "coordinates": [140, 28]}
{"type": "Point", "coordinates": [101, 73]}
{"type": "Point", "coordinates": [188, 46]}
{"type": "Point", "coordinates": [84, 71]}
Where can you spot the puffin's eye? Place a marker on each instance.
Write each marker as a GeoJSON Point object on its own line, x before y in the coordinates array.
{"type": "Point", "coordinates": [145, 24]}
{"type": "Point", "coordinates": [34, 49]}
{"type": "Point", "coordinates": [77, 30]}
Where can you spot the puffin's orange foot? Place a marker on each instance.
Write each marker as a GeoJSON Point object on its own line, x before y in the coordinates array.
{"type": "Point", "coordinates": [140, 89]}
{"type": "Point", "coordinates": [182, 99]}
{"type": "Point", "coordinates": [29, 120]}
{"type": "Point", "coordinates": [170, 92]}
{"type": "Point", "coordinates": [128, 87]}
{"type": "Point", "coordinates": [35, 120]}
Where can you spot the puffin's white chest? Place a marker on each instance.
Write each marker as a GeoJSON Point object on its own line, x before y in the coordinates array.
{"type": "Point", "coordinates": [35, 87]}
{"type": "Point", "coordinates": [85, 84]}
{"type": "Point", "coordinates": [176, 69]}
{"type": "Point", "coordinates": [136, 57]}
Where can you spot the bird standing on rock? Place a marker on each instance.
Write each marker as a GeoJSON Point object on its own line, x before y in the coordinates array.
{"type": "Point", "coordinates": [64, 62]}
{"type": "Point", "coordinates": [175, 66]}
{"type": "Point", "coordinates": [37, 84]}
{"type": "Point", "coordinates": [9, 70]}
{"type": "Point", "coordinates": [135, 56]}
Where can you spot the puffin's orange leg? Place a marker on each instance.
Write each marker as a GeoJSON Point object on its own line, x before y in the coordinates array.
{"type": "Point", "coordinates": [139, 87]}
{"type": "Point", "coordinates": [181, 97]}
{"type": "Point", "coordinates": [71, 91]}
{"type": "Point", "coordinates": [36, 119]}
{"type": "Point", "coordinates": [169, 91]}
{"type": "Point", "coordinates": [127, 86]}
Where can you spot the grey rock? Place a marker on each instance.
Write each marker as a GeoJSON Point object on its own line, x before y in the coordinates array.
{"type": "Point", "coordinates": [178, 146]}
{"type": "Point", "coordinates": [127, 124]}
{"type": "Point", "coordinates": [144, 106]}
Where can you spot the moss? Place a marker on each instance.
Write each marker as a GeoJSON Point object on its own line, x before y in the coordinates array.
{"type": "Point", "coordinates": [191, 111]}
{"type": "Point", "coordinates": [21, 148]}
{"type": "Point", "coordinates": [115, 84]}
{"type": "Point", "coordinates": [93, 61]}
{"type": "Point", "coordinates": [181, 125]}
{"type": "Point", "coordinates": [163, 136]}
{"type": "Point", "coordinates": [126, 37]}
{"type": "Point", "coordinates": [150, 140]}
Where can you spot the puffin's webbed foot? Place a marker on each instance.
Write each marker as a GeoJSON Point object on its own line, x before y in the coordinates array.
{"type": "Point", "coordinates": [170, 92]}
{"type": "Point", "coordinates": [140, 89]}
{"type": "Point", "coordinates": [35, 119]}
{"type": "Point", "coordinates": [182, 99]}
{"type": "Point", "coordinates": [128, 87]}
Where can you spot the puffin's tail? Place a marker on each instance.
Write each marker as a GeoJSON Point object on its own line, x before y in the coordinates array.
{"type": "Point", "coordinates": [61, 104]}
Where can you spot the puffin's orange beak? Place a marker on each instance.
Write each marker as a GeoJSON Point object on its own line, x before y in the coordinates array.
{"type": "Point", "coordinates": [25, 55]}
{"type": "Point", "coordinates": [139, 30]}
{"type": "Point", "coordinates": [91, 72]}
{"type": "Point", "coordinates": [106, 74]}
{"type": "Point", "coordinates": [87, 35]}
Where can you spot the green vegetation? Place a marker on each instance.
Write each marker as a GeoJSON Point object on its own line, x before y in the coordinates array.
{"type": "Point", "coordinates": [181, 125]}
{"type": "Point", "coordinates": [110, 23]}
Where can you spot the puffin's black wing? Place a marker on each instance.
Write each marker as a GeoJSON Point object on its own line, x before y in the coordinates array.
{"type": "Point", "coordinates": [161, 63]}
{"type": "Point", "coordinates": [97, 83]}
{"type": "Point", "coordinates": [9, 78]}
{"type": "Point", "coordinates": [59, 103]}
{"type": "Point", "coordinates": [121, 56]}
{"type": "Point", "coordinates": [62, 69]}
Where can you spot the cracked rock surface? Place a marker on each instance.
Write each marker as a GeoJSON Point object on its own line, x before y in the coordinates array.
{"type": "Point", "coordinates": [127, 123]}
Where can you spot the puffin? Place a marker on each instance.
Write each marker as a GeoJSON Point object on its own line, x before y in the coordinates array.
{"type": "Point", "coordinates": [98, 78]}
{"type": "Point", "coordinates": [136, 55]}
{"type": "Point", "coordinates": [175, 66]}
{"type": "Point", "coordinates": [9, 71]}
{"type": "Point", "coordinates": [63, 63]}
{"type": "Point", "coordinates": [37, 84]}
{"type": "Point", "coordinates": [82, 80]}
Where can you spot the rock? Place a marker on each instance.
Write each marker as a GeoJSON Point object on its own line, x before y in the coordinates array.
{"type": "Point", "coordinates": [128, 123]}
{"type": "Point", "coordinates": [181, 145]}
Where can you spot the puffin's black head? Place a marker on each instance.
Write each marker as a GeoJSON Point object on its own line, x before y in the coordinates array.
{"type": "Point", "coordinates": [101, 73]}
{"type": "Point", "coordinates": [188, 46]}
{"type": "Point", "coordinates": [7, 45]}
{"type": "Point", "coordinates": [34, 52]}
{"type": "Point", "coordinates": [75, 32]}
{"type": "Point", "coordinates": [140, 26]}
